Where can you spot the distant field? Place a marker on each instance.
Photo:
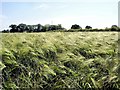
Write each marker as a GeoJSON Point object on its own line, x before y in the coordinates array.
{"type": "Point", "coordinates": [60, 60]}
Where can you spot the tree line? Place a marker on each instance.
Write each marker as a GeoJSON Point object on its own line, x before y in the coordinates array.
{"type": "Point", "coordinates": [40, 28]}
{"type": "Point", "coordinates": [33, 28]}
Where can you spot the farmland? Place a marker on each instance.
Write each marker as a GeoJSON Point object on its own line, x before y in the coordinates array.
{"type": "Point", "coordinates": [78, 60]}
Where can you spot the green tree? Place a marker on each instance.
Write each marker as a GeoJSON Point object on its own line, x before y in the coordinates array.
{"type": "Point", "coordinates": [88, 27]}
{"type": "Point", "coordinates": [22, 27]}
{"type": "Point", "coordinates": [75, 26]}
{"type": "Point", "coordinates": [59, 26]}
{"type": "Point", "coordinates": [30, 28]}
{"type": "Point", "coordinates": [13, 28]}
{"type": "Point", "coordinates": [114, 28]}
{"type": "Point", "coordinates": [39, 28]}
{"type": "Point", "coordinates": [46, 27]}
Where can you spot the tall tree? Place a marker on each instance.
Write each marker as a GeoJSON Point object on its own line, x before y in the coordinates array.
{"type": "Point", "coordinates": [30, 28]}
{"type": "Point", "coordinates": [39, 27]}
{"type": "Point", "coordinates": [13, 28]}
{"type": "Point", "coordinates": [75, 26]}
{"type": "Point", "coordinates": [88, 27]}
{"type": "Point", "coordinates": [46, 27]}
{"type": "Point", "coordinates": [59, 26]}
{"type": "Point", "coordinates": [22, 27]}
{"type": "Point", "coordinates": [114, 28]}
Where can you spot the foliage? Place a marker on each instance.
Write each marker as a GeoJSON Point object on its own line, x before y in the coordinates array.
{"type": "Point", "coordinates": [75, 26]}
{"type": "Point", "coordinates": [55, 28]}
{"type": "Point", "coordinates": [57, 60]}
{"type": "Point", "coordinates": [88, 27]}
{"type": "Point", "coordinates": [32, 28]}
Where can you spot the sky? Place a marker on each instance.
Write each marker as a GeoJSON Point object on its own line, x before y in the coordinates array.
{"type": "Point", "coordinates": [96, 13]}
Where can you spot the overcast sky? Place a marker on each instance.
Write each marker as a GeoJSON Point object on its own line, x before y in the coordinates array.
{"type": "Point", "coordinates": [96, 13]}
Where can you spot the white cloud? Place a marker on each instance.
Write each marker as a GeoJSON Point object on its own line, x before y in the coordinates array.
{"type": "Point", "coordinates": [62, 6]}
{"type": "Point", "coordinates": [48, 6]}
{"type": "Point", "coordinates": [41, 6]}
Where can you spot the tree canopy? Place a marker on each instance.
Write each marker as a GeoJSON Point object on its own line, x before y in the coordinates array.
{"type": "Point", "coordinates": [44, 28]}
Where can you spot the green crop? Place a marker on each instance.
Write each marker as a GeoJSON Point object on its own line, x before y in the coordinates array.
{"type": "Point", "coordinates": [57, 60]}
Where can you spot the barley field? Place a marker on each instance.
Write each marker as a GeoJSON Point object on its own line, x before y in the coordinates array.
{"type": "Point", "coordinates": [57, 60]}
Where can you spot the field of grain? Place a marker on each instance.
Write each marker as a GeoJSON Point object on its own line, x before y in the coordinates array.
{"type": "Point", "coordinates": [55, 60]}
